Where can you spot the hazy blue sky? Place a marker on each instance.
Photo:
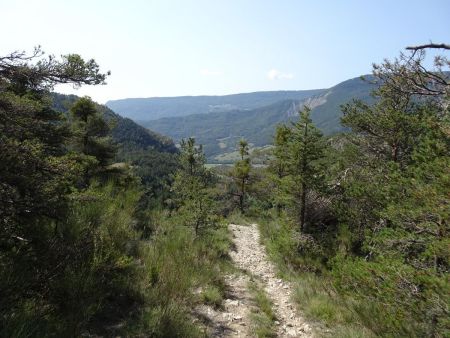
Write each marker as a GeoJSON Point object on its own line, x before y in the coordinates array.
{"type": "Point", "coordinates": [170, 48]}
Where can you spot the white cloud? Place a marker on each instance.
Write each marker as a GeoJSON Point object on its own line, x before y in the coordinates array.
{"type": "Point", "coordinates": [275, 74]}
{"type": "Point", "coordinates": [210, 72]}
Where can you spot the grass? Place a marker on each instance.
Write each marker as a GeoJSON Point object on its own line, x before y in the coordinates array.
{"type": "Point", "coordinates": [263, 317]}
{"type": "Point", "coordinates": [212, 296]}
{"type": "Point", "coordinates": [236, 217]}
{"type": "Point", "coordinates": [318, 301]}
{"type": "Point", "coordinates": [257, 154]}
{"type": "Point", "coordinates": [177, 263]}
{"type": "Point", "coordinates": [313, 293]}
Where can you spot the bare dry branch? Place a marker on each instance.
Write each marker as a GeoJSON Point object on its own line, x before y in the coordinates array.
{"type": "Point", "coordinates": [430, 45]}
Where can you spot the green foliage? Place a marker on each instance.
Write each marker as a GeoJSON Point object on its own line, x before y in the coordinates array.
{"type": "Point", "coordinates": [69, 249]}
{"type": "Point", "coordinates": [219, 132]}
{"type": "Point", "coordinates": [130, 136]}
{"type": "Point", "coordinates": [102, 239]}
{"type": "Point", "coordinates": [156, 170]}
{"type": "Point", "coordinates": [212, 296]}
{"type": "Point", "coordinates": [36, 173]}
{"type": "Point", "coordinates": [263, 303]}
{"type": "Point", "coordinates": [394, 214]}
{"type": "Point", "coordinates": [152, 157]}
{"type": "Point", "coordinates": [86, 249]}
{"type": "Point", "coordinates": [306, 147]}
{"type": "Point", "coordinates": [313, 289]}
{"type": "Point", "coordinates": [86, 271]}
{"type": "Point", "coordinates": [391, 289]}
{"type": "Point", "coordinates": [169, 320]}
{"type": "Point", "coordinates": [34, 72]}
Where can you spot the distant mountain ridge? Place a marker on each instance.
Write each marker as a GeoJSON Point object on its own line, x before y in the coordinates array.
{"type": "Point", "coordinates": [145, 109]}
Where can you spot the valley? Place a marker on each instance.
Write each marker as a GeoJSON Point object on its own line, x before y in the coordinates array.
{"type": "Point", "coordinates": [251, 116]}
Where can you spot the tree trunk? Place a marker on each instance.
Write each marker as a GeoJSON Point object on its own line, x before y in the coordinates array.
{"type": "Point", "coordinates": [197, 224]}
{"type": "Point", "coordinates": [394, 152]}
{"type": "Point", "coordinates": [303, 208]}
{"type": "Point", "coordinates": [241, 196]}
{"type": "Point", "coordinates": [278, 209]}
{"type": "Point", "coordinates": [303, 194]}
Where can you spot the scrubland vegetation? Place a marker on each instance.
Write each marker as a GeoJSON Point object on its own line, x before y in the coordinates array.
{"type": "Point", "coordinates": [91, 242]}
{"type": "Point", "coordinates": [359, 221]}
{"type": "Point", "coordinates": [104, 236]}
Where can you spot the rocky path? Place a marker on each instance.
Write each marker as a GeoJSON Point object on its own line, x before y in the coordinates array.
{"type": "Point", "coordinates": [234, 320]}
{"type": "Point", "coordinates": [250, 255]}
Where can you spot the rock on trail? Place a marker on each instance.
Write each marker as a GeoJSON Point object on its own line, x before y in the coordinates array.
{"type": "Point", "coordinates": [233, 319]}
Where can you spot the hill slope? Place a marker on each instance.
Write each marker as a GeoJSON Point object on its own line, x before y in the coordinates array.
{"type": "Point", "coordinates": [220, 131]}
{"type": "Point", "coordinates": [327, 116]}
{"type": "Point", "coordinates": [127, 133]}
{"type": "Point", "coordinates": [154, 157]}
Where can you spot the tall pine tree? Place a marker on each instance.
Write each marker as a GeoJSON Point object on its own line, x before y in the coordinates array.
{"type": "Point", "coordinates": [241, 173]}
{"type": "Point", "coordinates": [299, 151]}
{"type": "Point", "coordinates": [191, 186]}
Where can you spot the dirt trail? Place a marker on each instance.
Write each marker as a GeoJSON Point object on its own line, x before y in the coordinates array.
{"type": "Point", "coordinates": [251, 256]}
{"type": "Point", "coordinates": [234, 320]}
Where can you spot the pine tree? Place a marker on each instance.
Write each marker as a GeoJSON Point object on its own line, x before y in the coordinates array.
{"type": "Point", "coordinates": [37, 177]}
{"type": "Point", "coordinates": [241, 172]}
{"type": "Point", "coordinates": [395, 195]}
{"type": "Point", "coordinates": [305, 149]}
{"type": "Point", "coordinates": [191, 184]}
{"type": "Point", "coordinates": [91, 132]}
{"type": "Point", "coordinates": [279, 166]}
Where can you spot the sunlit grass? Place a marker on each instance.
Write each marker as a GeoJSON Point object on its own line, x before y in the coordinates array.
{"type": "Point", "coordinates": [314, 295]}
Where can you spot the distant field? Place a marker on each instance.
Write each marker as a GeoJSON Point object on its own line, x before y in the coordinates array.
{"type": "Point", "coordinates": [213, 165]}
{"type": "Point", "coordinates": [258, 155]}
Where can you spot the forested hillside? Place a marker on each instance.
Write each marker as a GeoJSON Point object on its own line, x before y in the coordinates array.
{"type": "Point", "coordinates": [219, 132]}
{"type": "Point", "coordinates": [127, 133]}
{"type": "Point", "coordinates": [75, 255]}
{"type": "Point", "coordinates": [153, 156]}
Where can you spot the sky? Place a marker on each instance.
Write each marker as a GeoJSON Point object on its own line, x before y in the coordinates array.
{"type": "Point", "coordinates": [214, 47]}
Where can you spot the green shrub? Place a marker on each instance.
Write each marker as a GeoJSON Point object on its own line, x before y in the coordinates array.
{"type": "Point", "coordinates": [312, 285]}
{"type": "Point", "coordinates": [391, 293]}
{"type": "Point", "coordinates": [176, 262]}
{"type": "Point", "coordinates": [169, 320]}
